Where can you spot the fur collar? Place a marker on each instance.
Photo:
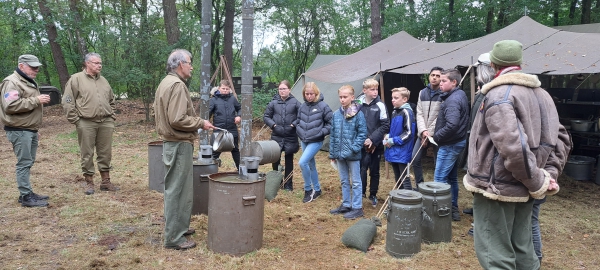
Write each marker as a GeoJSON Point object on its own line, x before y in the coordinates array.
{"type": "Point", "coordinates": [527, 80]}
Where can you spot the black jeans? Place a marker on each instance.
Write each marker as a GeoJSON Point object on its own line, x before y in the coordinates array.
{"type": "Point", "coordinates": [289, 167]}
{"type": "Point", "coordinates": [370, 161]}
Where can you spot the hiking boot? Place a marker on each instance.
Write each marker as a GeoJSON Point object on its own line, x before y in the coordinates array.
{"type": "Point", "coordinates": [308, 196]}
{"type": "Point", "coordinates": [38, 197]}
{"type": "Point", "coordinates": [455, 214]}
{"type": "Point", "coordinates": [30, 201]}
{"type": "Point", "coordinates": [468, 211]}
{"type": "Point", "coordinates": [190, 231]}
{"type": "Point", "coordinates": [316, 195]}
{"type": "Point", "coordinates": [340, 210]}
{"type": "Point", "coordinates": [183, 246]}
{"type": "Point", "coordinates": [354, 213]}
{"type": "Point", "coordinates": [106, 185]}
{"type": "Point", "coordinates": [89, 184]}
{"type": "Point", "coordinates": [373, 200]}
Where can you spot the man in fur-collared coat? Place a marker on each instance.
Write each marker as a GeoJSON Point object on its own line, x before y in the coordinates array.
{"type": "Point", "coordinates": [517, 150]}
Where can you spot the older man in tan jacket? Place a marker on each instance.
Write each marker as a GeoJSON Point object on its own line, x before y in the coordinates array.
{"type": "Point", "coordinates": [177, 124]}
{"type": "Point", "coordinates": [89, 103]}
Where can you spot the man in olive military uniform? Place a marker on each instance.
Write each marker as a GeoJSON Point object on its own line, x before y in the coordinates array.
{"type": "Point", "coordinates": [89, 103]}
{"type": "Point", "coordinates": [21, 114]}
{"type": "Point", "coordinates": [177, 125]}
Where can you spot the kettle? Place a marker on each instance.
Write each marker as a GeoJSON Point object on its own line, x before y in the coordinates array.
{"type": "Point", "coordinates": [223, 141]}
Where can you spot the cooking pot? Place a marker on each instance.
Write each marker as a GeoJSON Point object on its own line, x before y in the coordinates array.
{"type": "Point", "coordinates": [581, 125]}
{"type": "Point", "coordinates": [223, 141]}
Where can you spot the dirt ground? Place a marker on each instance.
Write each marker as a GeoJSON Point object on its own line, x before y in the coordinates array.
{"type": "Point", "coordinates": [123, 229]}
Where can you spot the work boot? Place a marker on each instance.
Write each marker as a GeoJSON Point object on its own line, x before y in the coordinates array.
{"type": "Point", "coordinates": [89, 184]}
{"type": "Point", "coordinates": [30, 201]}
{"type": "Point", "coordinates": [106, 185]}
{"type": "Point", "coordinates": [455, 214]}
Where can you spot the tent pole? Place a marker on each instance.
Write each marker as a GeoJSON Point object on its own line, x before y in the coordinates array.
{"type": "Point", "coordinates": [382, 88]}
{"type": "Point", "coordinates": [473, 90]}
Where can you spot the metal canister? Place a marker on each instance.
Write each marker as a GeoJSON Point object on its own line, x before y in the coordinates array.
{"type": "Point", "coordinates": [156, 167]}
{"type": "Point", "coordinates": [235, 214]}
{"type": "Point", "coordinates": [403, 237]}
{"type": "Point", "coordinates": [437, 204]}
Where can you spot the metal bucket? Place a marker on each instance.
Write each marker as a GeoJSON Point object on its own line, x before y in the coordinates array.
{"type": "Point", "coordinates": [437, 203]}
{"type": "Point", "coordinates": [235, 214]}
{"type": "Point", "coordinates": [403, 237]}
{"type": "Point", "coordinates": [579, 167]}
{"type": "Point", "coordinates": [201, 172]}
{"type": "Point", "coordinates": [222, 141]}
{"type": "Point", "coordinates": [156, 167]}
{"type": "Point", "coordinates": [267, 151]}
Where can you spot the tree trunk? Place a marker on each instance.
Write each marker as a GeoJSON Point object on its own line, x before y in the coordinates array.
{"type": "Point", "coordinates": [586, 8]}
{"type": "Point", "coordinates": [171, 22]}
{"type": "Point", "coordinates": [555, 12]}
{"type": "Point", "coordinates": [489, 22]}
{"type": "Point", "coordinates": [375, 21]}
{"type": "Point", "coordinates": [572, 9]}
{"type": "Point", "coordinates": [451, 24]}
{"type": "Point", "coordinates": [501, 15]}
{"type": "Point", "coordinates": [81, 44]}
{"type": "Point", "coordinates": [57, 54]}
{"type": "Point", "coordinates": [228, 34]}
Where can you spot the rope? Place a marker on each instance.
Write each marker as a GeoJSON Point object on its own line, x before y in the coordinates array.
{"type": "Point", "coordinates": [399, 182]}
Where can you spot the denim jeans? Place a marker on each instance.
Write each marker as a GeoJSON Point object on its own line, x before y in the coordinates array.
{"type": "Point", "coordinates": [416, 159]}
{"type": "Point", "coordinates": [446, 167]}
{"type": "Point", "coordinates": [308, 165]}
{"type": "Point", "coordinates": [535, 227]}
{"type": "Point", "coordinates": [351, 197]}
{"type": "Point", "coordinates": [25, 144]}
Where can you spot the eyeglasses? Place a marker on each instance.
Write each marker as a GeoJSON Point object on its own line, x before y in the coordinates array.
{"type": "Point", "coordinates": [96, 63]}
{"type": "Point", "coordinates": [186, 62]}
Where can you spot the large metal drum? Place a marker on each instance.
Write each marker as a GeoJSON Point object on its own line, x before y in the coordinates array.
{"type": "Point", "coordinates": [437, 203]}
{"type": "Point", "coordinates": [267, 151]}
{"type": "Point", "coordinates": [235, 214]}
{"type": "Point", "coordinates": [201, 172]}
{"type": "Point", "coordinates": [403, 237]}
{"type": "Point", "coordinates": [156, 167]}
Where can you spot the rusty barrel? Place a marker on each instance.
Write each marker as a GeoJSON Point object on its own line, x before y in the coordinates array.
{"type": "Point", "coordinates": [235, 214]}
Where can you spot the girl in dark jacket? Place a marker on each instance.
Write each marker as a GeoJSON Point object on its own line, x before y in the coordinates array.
{"type": "Point", "coordinates": [280, 115]}
{"type": "Point", "coordinates": [225, 110]}
{"type": "Point", "coordinates": [312, 125]}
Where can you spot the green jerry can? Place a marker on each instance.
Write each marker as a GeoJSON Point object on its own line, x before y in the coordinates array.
{"type": "Point", "coordinates": [403, 236]}
{"type": "Point", "coordinates": [437, 219]}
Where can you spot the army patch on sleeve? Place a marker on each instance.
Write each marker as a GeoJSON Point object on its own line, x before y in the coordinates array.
{"type": "Point", "coordinates": [11, 95]}
{"type": "Point", "coordinates": [482, 106]}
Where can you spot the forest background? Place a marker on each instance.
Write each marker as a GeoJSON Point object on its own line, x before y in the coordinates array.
{"type": "Point", "coordinates": [134, 36]}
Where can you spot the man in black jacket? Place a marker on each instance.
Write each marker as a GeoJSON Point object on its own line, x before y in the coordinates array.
{"type": "Point", "coordinates": [451, 133]}
{"type": "Point", "coordinates": [225, 110]}
{"type": "Point", "coordinates": [378, 124]}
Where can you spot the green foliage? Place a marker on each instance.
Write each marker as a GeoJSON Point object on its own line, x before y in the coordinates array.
{"type": "Point", "coordinates": [260, 99]}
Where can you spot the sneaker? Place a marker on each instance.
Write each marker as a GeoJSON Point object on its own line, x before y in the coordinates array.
{"type": "Point", "coordinates": [470, 232]}
{"type": "Point", "coordinates": [316, 195]}
{"type": "Point", "coordinates": [37, 197]}
{"type": "Point", "coordinates": [308, 196]}
{"type": "Point", "coordinates": [455, 214]}
{"type": "Point", "coordinates": [354, 213]}
{"type": "Point", "coordinates": [30, 201]}
{"type": "Point", "coordinates": [340, 210]}
{"type": "Point", "coordinates": [373, 200]}
{"type": "Point", "coordinates": [468, 211]}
